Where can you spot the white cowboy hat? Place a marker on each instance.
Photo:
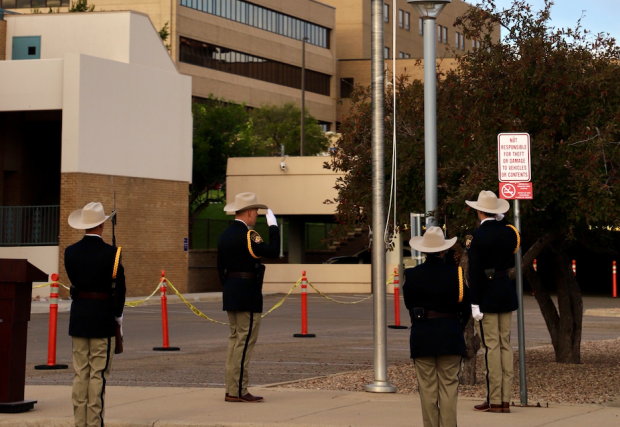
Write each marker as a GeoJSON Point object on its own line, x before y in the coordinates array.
{"type": "Point", "coordinates": [488, 202]}
{"type": "Point", "coordinates": [90, 217]}
{"type": "Point", "coordinates": [244, 201]}
{"type": "Point", "coordinates": [432, 241]}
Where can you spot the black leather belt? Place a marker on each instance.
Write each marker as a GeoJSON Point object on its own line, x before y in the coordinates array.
{"type": "Point", "coordinates": [430, 314]}
{"type": "Point", "coordinates": [94, 295]}
{"type": "Point", "coordinates": [241, 275]}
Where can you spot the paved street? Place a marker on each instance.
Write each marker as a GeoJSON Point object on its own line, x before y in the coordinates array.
{"type": "Point", "coordinates": [344, 342]}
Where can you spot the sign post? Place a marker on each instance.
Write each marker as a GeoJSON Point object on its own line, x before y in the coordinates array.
{"type": "Point", "coordinates": [515, 173]}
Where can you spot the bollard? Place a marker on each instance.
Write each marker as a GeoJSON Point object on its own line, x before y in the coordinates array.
{"type": "Point", "coordinates": [574, 267]}
{"type": "Point", "coordinates": [304, 309]}
{"type": "Point", "coordinates": [164, 316]}
{"type": "Point", "coordinates": [396, 282]}
{"type": "Point", "coordinates": [614, 292]}
{"type": "Point", "coordinates": [53, 327]}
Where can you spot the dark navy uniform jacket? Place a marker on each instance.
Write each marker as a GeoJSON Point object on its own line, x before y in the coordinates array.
{"type": "Point", "coordinates": [89, 264]}
{"type": "Point", "coordinates": [238, 253]}
{"type": "Point", "coordinates": [493, 245]}
{"type": "Point", "coordinates": [436, 286]}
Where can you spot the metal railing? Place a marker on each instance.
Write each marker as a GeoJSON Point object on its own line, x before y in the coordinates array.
{"type": "Point", "coordinates": [29, 225]}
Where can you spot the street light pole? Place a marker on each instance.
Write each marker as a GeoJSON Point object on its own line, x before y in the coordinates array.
{"type": "Point", "coordinates": [429, 11]}
{"type": "Point", "coordinates": [380, 384]}
{"type": "Point", "coordinates": [303, 93]}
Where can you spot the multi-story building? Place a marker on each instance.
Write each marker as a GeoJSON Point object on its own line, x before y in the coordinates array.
{"type": "Point", "coordinates": [244, 51]}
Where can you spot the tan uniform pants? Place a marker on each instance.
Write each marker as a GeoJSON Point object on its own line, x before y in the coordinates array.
{"type": "Point", "coordinates": [92, 361]}
{"type": "Point", "coordinates": [244, 327]}
{"type": "Point", "coordinates": [438, 385]}
{"type": "Point", "coordinates": [494, 330]}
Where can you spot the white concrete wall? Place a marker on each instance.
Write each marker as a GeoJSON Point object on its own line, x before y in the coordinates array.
{"type": "Point", "coordinates": [126, 119]}
{"type": "Point", "coordinates": [300, 190]}
{"type": "Point", "coordinates": [123, 36]}
{"type": "Point", "coordinates": [328, 278]}
{"type": "Point", "coordinates": [31, 85]}
{"type": "Point", "coordinates": [45, 258]}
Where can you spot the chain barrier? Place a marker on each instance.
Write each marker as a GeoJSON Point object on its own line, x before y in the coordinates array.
{"type": "Point", "coordinates": [204, 316]}
{"type": "Point", "coordinates": [142, 301]}
{"type": "Point", "coordinates": [347, 303]}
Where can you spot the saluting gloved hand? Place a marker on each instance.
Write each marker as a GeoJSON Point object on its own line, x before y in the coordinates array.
{"type": "Point", "coordinates": [271, 218]}
{"type": "Point", "coordinates": [475, 312]}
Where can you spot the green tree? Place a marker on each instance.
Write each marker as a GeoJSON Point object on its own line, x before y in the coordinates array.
{"type": "Point", "coordinates": [221, 130]}
{"type": "Point", "coordinates": [560, 86]}
{"type": "Point", "coordinates": [277, 125]}
{"type": "Point", "coordinates": [80, 6]}
{"type": "Point", "coordinates": [164, 33]}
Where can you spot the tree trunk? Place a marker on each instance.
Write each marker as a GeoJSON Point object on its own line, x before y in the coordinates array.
{"type": "Point", "coordinates": [570, 303]}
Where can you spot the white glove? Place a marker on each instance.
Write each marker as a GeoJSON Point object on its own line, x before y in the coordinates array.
{"type": "Point", "coordinates": [271, 218]}
{"type": "Point", "coordinates": [499, 217]}
{"type": "Point", "coordinates": [119, 320]}
{"type": "Point", "coordinates": [475, 312]}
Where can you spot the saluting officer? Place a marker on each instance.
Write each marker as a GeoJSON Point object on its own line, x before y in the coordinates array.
{"type": "Point", "coordinates": [438, 301]}
{"type": "Point", "coordinates": [490, 249]}
{"type": "Point", "coordinates": [238, 262]}
{"type": "Point", "coordinates": [96, 309]}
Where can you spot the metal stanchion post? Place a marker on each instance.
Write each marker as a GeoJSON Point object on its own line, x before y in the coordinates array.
{"type": "Point", "coordinates": [614, 291]}
{"type": "Point", "coordinates": [304, 309]}
{"type": "Point", "coordinates": [396, 324]}
{"type": "Point", "coordinates": [53, 328]}
{"type": "Point", "coordinates": [520, 320]}
{"type": "Point", "coordinates": [164, 316]}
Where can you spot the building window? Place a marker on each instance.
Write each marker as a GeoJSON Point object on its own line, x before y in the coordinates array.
{"type": "Point", "coordinates": [28, 4]}
{"type": "Point", "coordinates": [401, 55]}
{"type": "Point", "coordinates": [386, 52]}
{"type": "Point", "coordinates": [457, 39]}
{"type": "Point", "coordinates": [421, 26]}
{"type": "Point", "coordinates": [462, 42]}
{"type": "Point", "coordinates": [407, 56]}
{"type": "Point", "coordinates": [324, 126]}
{"type": "Point", "coordinates": [400, 18]}
{"type": "Point", "coordinates": [445, 35]}
{"type": "Point", "coordinates": [386, 13]}
{"type": "Point", "coordinates": [347, 84]}
{"type": "Point", "coordinates": [439, 33]}
{"type": "Point", "coordinates": [407, 20]}
{"type": "Point", "coordinates": [259, 17]}
{"type": "Point", "coordinates": [229, 61]}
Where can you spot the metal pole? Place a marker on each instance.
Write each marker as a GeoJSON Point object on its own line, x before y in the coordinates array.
{"type": "Point", "coordinates": [520, 322]}
{"type": "Point", "coordinates": [430, 120]}
{"type": "Point", "coordinates": [303, 93]}
{"type": "Point", "coordinates": [380, 385]}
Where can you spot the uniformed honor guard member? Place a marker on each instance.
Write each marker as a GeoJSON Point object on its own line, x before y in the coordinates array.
{"type": "Point", "coordinates": [437, 298]}
{"type": "Point", "coordinates": [239, 251]}
{"type": "Point", "coordinates": [96, 309]}
{"type": "Point", "coordinates": [490, 249]}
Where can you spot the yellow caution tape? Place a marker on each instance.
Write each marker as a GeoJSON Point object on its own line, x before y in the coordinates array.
{"type": "Point", "coordinates": [204, 316]}
{"type": "Point", "coordinates": [142, 301]}
{"type": "Point", "coordinates": [50, 284]}
{"type": "Point", "coordinates": [336, 301]}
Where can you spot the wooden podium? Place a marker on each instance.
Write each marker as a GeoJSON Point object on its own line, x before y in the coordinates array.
{"type": "Point", "coordinates": [16, 277]}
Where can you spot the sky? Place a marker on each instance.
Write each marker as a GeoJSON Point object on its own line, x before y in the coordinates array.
{"type": "Point", "coordinates": [600, 15]}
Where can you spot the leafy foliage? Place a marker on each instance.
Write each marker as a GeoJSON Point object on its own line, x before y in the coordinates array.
{"type": "Point", "coordinates": [560, 86]}
{"type": "Point", "coordinates": [80, 6]}
{"type": "Point", "coordinates": [277, 125]}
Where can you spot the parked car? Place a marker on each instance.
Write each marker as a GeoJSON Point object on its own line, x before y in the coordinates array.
{"type": "Point", "coordinates": [362, 257]}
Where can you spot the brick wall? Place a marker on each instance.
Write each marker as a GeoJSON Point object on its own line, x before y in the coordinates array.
{"type": "Point", "coordinates": [2, 40]}
{"type": "Point", "coordinates": [152, 223]}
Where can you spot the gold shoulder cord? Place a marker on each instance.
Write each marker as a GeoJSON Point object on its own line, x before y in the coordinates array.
{"type": "Point", "coordinates": [116, 262]}
{"type": "Point", "coordinates": [518, 238]}
{"type": "Point", "coordinates": [250, 244]}
{"type": "Point", "coordinates": [460, 284]}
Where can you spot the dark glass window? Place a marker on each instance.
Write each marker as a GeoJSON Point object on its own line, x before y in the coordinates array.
{"type": "Point", "coordinates": [28, 4]}
{"type": "Point", "coordinates": [256, 16]}
{"type": "Point", "coordinates": [230, 61]}
{"type": "Point", "coordinates": [347, 84]}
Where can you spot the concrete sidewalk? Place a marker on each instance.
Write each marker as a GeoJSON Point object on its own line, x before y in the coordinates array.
{"type": "Point", "coordinates": [205, 407]}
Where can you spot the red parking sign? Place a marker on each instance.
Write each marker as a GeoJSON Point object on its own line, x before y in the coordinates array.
{"type": "Point", "coordinates": [516, 190]}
